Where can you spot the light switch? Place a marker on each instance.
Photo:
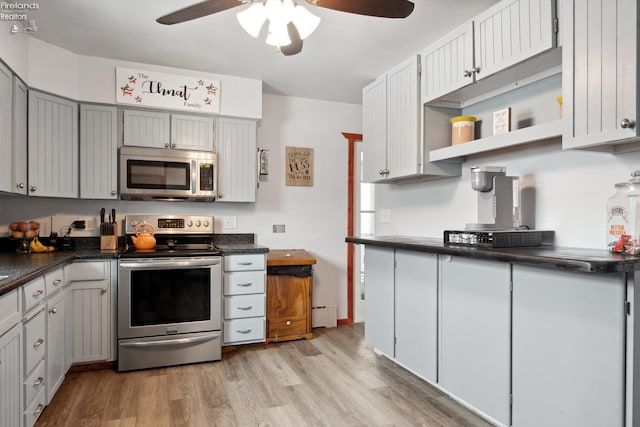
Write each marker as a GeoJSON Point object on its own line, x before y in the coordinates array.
{"type": "Point", "coordinates": [230, 222]}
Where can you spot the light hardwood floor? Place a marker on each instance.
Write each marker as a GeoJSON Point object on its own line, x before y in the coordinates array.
{"type": "Point", "coordinates": [333, 380]}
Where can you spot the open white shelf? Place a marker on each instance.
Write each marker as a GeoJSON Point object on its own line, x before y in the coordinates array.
{"type": "Point", "coordinates": [526, 135]}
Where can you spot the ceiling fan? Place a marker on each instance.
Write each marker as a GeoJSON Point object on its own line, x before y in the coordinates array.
{"type": "Point", "coordinates": [289, 23]}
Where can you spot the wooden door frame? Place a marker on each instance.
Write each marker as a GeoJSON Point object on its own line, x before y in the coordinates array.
{"type": "Point", "coordinates": [352, 138]}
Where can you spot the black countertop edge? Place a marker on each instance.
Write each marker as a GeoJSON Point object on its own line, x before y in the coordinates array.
{"type": "Point", "coordinates": [22, 268]}
{"type": "Point", "coordinates": [552, 257]}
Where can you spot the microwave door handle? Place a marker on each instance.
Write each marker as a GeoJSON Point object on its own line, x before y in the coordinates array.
{"type": "Point", "coordinates": [195, 172]}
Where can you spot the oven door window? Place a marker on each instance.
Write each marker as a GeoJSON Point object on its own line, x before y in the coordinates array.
{"type": "Point", "coordinates": [158, 175]}
{"type": "Point", "coordinates": [170, 296]}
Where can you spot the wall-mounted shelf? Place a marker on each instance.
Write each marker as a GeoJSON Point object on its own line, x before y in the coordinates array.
{"type": "Point", "coordinates": [526, 135]}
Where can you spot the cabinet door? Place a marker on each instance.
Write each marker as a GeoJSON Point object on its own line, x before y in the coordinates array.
{"type": "Point", "coordinates": [374, 130]}
{"type": "Point", "coordinates": [599, 68]}
{"type": "Point", "coordinates": [510, 32]}
{"type": "Point", "coordinates": [55, 344]}
{"type": "Point", "coordinates": [237, 160]}
{"type": "Point", "coordinates": [91, 321]}
{"type": "Point", "coordinates": [568, 348]}
{"type": "Point", "coordinates": [475, 333]}
{"type": "Point", "coordinates": [191, 132]}
{"type": "Point", "coordinates": [379, 299]}
{"type": "Point", "coordinates": [447, 64]}
{"type": "Point", "coordinates": [147, 129]}
{"type": "Point", "coordinates": [416, 308]}
{"type": "Point", "coordinates": [98, 152]}
{"type": "Point", "coordinates": [19, 166]}
{"type": "Point", "coordinates": [403, 124]}
{"type": "Point", "coordinates": [68, 328]}
{"type": "Point", "coordinates": [53, 146]}
{"type": "Point", "coordinates": [11, 378]}
{"type": "Point", "coordinates": [6, 123]}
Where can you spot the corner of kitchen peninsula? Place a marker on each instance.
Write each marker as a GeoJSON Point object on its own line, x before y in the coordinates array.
{"type": "Point", "coordinates": [520, 335]}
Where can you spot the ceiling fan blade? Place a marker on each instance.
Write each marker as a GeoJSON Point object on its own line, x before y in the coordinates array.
{"type": "Point", "coordinates": [296, 42]}
{"type": "Point", "coordinates": [198, 10]}
{"type": "Point", "coordinates": [379, 8]}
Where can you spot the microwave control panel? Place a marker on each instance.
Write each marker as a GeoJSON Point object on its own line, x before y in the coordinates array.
{"type": "Point", "coordinates": [206, 176]}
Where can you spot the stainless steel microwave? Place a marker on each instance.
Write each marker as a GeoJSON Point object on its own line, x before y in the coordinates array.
{"type": "Point", "coordinates": [161, 174]}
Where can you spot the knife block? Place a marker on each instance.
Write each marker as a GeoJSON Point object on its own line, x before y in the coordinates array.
{"type": "Point", "coordinates": [109, 236]}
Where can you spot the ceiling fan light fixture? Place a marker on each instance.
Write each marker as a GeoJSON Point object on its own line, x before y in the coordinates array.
{"type": "Point", "coordinates": [252, 18]}
{"type": "Point", "coordinates": [278, 34]}
{"type": "Point", "coordinates": [305, 21]}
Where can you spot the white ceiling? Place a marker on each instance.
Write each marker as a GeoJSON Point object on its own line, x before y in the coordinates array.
{"type": "Point", "coordinates": [345, 53]}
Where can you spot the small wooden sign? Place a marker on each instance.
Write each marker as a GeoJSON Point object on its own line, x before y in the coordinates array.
{"type": "Point", "coordinates": [299, 164]}
{"type": "Point", "coordinates": [502, 121]}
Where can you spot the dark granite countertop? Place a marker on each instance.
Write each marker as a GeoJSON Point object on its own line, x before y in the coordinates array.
{"type": "Point", "coordinates": [22, 268]}
{"type": "Point", "coordinates": [554, 257]}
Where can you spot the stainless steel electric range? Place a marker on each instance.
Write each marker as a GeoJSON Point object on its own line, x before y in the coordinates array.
{"type": "Point", "coordinates": [169, 297]}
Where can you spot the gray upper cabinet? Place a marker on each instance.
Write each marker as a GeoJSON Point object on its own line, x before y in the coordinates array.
{"type": "Point", "coordinates": [237, 160]}
{"type": "Point", "coordinates": [53, 146]}
{"type": "Point", "coordinates": [504, 35]}
{"type": "Point", "coordinates": [5, 128]}
{"type": "Point", "coordinates": [98, 152]}
{"type": "Point", "coordinates": [19, 166]}
{"type": "Point", "coordinates": [172, 131]}
{"type": "Point", "coordinates": [599, 66]}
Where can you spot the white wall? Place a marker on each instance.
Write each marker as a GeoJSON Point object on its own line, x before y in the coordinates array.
{"type": "Point", "coordinates": [569, 188]}
{"type": "Point", "coordinates": [314, 217]}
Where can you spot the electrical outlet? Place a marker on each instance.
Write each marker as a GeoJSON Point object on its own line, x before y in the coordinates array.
{"type": "Point", "coordinates": [230, 222]}
{"type": "Point", "coordinates": [88, 223]}
{"type": "Point", "coordinates": [385, 216]}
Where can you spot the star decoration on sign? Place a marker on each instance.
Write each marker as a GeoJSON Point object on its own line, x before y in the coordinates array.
{"type": "Point", "coordinates": [127, 90]}
{"type": "Point", "coordinates": [212, 89]}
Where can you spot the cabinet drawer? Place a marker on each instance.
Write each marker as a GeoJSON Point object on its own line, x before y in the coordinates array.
{"type": "Point", "coordinates": [33, 293]}
{"type": "Point", "coordinates": [34, 383]}
{"type": "Point", "coordinates": [287, 326]}
{"type": "Point", "coordinates": [87, 271]}
{"type": "Point", "coordinates": [34, 345]}
{"type": "Point", "coordinates": [33, 411]}
{"type": "Point", "coordinates": [54, 280]}
{"type": "Point", "coordinates": [9, 310]}
{"type": "Point", "coordinates": [241, 330]}
{"type": "Point", "coordinates": [250, 282]}
{"type": "Point", "coordinates": [244, 262]}
{"type": "Point", "coordinates": [244, 306]}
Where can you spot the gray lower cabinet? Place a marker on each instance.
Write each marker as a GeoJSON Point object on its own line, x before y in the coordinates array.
{"type": "Point", "coordinates": [379, 299]}
{"type": "Point", "coordinates": [55, 367]}
{"type": "Point", "coordinates": [475, 334]}
{"type": "Point", "coordinates": [568, 348]}
{"type": "Point", "coordinates": [11, 376]}
{"type": "Point", "coordinates": [416, 312]}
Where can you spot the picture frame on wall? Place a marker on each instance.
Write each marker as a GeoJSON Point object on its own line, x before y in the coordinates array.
{"type": "Point", "coordinates": [502, 121]}
{"type": "Point", "coordinates": [299, 164]}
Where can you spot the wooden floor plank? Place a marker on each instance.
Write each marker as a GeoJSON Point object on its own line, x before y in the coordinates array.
{"type": "Point", "coordinates": [333, 380]}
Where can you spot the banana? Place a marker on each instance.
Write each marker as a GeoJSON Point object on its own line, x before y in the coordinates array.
{"type": "Point", "coordinates": [37, 246]}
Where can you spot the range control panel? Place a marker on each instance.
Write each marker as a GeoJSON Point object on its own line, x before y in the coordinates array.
{"type": "Point", "coordinates": [171, 224]}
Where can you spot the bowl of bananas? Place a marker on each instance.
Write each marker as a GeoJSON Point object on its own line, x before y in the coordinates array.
{"type": "Point", "coordinates": [36, 245]}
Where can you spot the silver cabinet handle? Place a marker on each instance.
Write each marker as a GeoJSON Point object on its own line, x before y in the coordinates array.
{"type": "Point", "coordinates": [113, 192]}
{"type": "Point", "coordinates": [166, 145]}
{"type": "Point", "coordinates": [244, 285]}
{"type": "Point", "coordinates": [249, 307]}
{"type": "Point", "coordinates": [53, 310]}
{"type": "Point", "coordinates": [20, 186]}
{"type": "Point", "coordinates": [173, 145]}
{"type": "Point", "coordinates": [37, 293]}
{"type": "Point", "coordinates": [103, 291]}
{"type": "Point", "coordinates": [56, 282]}
{"type": "Point", "coordinates": [476, 70]}
{"type": "Point", "coordinates": [467, 73]}
{"type": "Point", "coordinates": [38, 343]}
{"type": "Point", "coordinates": [381, 172]}
{"type": "Point", "coordinates": [288, 322]}
{"type": "Point", "coordinates": [627, 123]}
{"type": "Point", "coordinates": [38, 409]}
{"type": "Point", "coordinates": [246, 331]}
{"type": "Point", "coordinates": [220, 196]}
{"type": "Point", "coordinates": [38, 382]}
{"type": "Point", "coordinates": [245, 263]}
{"type": "Point", "coordinates": [33, 188]}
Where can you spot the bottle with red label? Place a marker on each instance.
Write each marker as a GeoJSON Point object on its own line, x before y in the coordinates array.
{"type": "Point", "coordinates": [623, 216]}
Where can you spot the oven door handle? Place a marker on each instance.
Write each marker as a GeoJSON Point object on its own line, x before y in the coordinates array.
{"type": "Point", "coordinates": [156, 263]}
{"type": "Point", "coordinates": [171, 342]}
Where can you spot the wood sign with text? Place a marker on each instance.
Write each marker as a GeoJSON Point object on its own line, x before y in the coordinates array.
{"type": "Point", "coordinates": [154, 89]}
{"type": "Point", "coordinates": [299, 165]}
